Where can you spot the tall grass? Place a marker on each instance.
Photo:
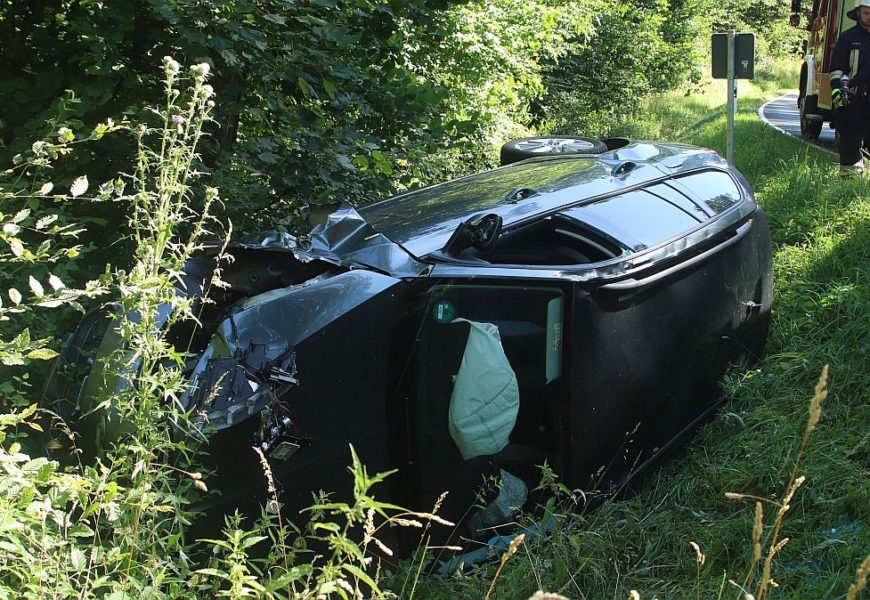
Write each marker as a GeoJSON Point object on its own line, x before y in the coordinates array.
{"type": "Point", "coordinates": [821, 230]}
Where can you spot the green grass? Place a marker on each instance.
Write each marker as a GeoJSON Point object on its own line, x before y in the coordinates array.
{"type": "Point", "coordinates": [821, 230]}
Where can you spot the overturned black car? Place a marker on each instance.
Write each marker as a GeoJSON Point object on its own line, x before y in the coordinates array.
{"type": "Point", "coordinates": [578, 307]}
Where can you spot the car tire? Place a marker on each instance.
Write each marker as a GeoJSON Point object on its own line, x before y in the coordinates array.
{"type": "Point", "coordinates": [552, 145]}
{"type": "Point", "coordinates": [810, 129]}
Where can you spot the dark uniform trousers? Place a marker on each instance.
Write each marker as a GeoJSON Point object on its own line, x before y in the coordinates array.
{"type": "Point", "coordinates": [852, 55]}
{"type": "Point", "coordinates": [853, 125]}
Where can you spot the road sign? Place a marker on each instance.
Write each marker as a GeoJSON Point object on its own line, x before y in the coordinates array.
{"type": "Point", "coordinates": [744, 55]}
{"type": "Point", "coordinates": [733, 57]}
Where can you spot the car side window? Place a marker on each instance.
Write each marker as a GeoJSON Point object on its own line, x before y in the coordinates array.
{"type": "Point", "coordinates": [714, 188]}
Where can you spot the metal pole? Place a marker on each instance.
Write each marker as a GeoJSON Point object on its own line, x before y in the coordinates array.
{"type": "Point", "coordinates": [732, 97]}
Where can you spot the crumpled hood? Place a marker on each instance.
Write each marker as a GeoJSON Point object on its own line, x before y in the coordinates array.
{"type": "Point", "coordinates": [346, 239]}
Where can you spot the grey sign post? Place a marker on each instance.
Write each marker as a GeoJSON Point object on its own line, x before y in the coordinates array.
{"type": "Point", "coordinates": [733, 58]}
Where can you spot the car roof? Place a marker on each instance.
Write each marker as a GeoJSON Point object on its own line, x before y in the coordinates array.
{"type": "Point", "coordinates": [423, 220]}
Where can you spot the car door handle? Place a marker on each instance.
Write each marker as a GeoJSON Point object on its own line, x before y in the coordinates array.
{"type": "Point", "coordinates": [631, 285]}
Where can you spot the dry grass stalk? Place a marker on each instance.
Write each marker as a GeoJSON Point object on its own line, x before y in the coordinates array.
{"type": "Point", "coordinates": [757, 529]}
{"type": "Point", "coordinates": [434, 518]}
{"type": "Point", "coordinates": [267, 471]}
{"type": "Point", "coordinates": [775, 545]}
{"type": "Point", "coordinates": [270, 482]}
{"type": "Point", "coordinates": [860, 580]}
{"type": "Point", "coordinates": [699, 556]}
{"type": "Point", "coordinates": [512, 549]}
{"type": "Point", "coordinates": [399, 522]}
{"type": "Point", "coordinates": [540, 595]}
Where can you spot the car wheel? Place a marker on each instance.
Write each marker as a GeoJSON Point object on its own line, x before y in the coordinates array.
{"type": "Point", "coordinates": [810, 128]}
{"type": "Point", "coordinates": [529, 147]}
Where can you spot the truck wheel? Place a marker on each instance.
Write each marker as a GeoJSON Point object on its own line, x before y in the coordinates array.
{"type": "Point", "coordinates": [802, 88]}
{"type": "Point", "coordinates": [810, 129]}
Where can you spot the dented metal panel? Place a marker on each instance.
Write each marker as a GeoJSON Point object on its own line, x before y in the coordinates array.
{"type": "Point", "coordinates": [253, 347]}
{"type": "Point", "coordinates": [348, 239]}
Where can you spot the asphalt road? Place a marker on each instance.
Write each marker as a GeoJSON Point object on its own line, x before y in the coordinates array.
{"type": "Point", "coordinates": [782, 114]}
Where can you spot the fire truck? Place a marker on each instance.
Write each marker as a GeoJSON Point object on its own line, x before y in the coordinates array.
{"type": "Point", "coordinates": [827, 19]}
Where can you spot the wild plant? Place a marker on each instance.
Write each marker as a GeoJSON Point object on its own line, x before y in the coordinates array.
{"type": "Point", "coordinates": [116, 525]}
{"type": "Point", "coordinates": [40, 241]}
{"type": "Point", "coordinates": [348, 535]}
{"type": "Point", "coordinates": [774, 543]}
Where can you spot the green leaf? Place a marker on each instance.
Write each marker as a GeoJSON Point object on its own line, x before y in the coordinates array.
{"type": "Point", "coordinates": [345, 162]}
{"type": "Point", "coordinates": [230, 57]}
{"type": "Point", "coordinates": [42, 354]}
{"type": "Point", "coordinates": [212, 573]}
{"type": "Point", "coordinates": [363, 576]}
{"type": "Point", "coordinates": [277, 19]}
{"type": "Point", "coordinates": [21, 215]}
{"type": "Point", "coordinates": [79, 186]}
{"type": "Point", "coordinates": [16, 247]}
{"type": "Point", "coordinates": [15, 296]}
{"type": "Point", "coordinates": [46, 221]}
{"type": "Point", "coordinates": [80, 530]}
{"type": "Point", "coordinates": [294, 574]}
{"type": "Point", "coordinates": [330, 88]}
{"type": "Point", "coordinates": [50, 303]}
{"type": "Point", "coordinates": [304, 87]}
{"type": "Point", "coordinates": [253, 540]}
{"type": "Point", "coordinates": [78, 560]}
{"type": "Point", "coordinates": [55, 282]}
{"type": "Point", "coordinates": [35, 286]}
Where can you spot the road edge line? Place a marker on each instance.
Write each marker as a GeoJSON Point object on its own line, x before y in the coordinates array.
{"type": "Point", "coordinates": [760, 113]}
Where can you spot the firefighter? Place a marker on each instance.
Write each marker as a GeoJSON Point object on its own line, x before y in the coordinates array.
{"type": "Point", "coordinates": [850, 89]}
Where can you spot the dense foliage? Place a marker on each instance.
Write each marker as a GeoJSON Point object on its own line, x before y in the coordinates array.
{"type": "Point", "coordinates": [636, 49]}
{"type": "Point", "coordinates": [319, 101]}
{"type": "Point", "coordinates": [332, 100]}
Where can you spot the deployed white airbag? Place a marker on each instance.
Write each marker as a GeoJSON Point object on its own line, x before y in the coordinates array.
{"type": "Point", "coordinates": [485, 398]}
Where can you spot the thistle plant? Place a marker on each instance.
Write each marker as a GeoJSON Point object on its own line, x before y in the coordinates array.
{"type": "Point", "coordinates": [137, 420]}
{"type": "Point", "coordinates": [112, 527]}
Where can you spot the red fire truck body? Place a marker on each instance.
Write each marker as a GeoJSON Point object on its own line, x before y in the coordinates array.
{"type": "Point", "coordinates": [827, 20]}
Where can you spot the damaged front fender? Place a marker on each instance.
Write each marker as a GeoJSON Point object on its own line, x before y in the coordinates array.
{"type": "Point", "coordinates": [250, 358]}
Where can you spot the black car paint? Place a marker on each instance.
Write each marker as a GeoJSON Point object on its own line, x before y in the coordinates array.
{"type": "Point", "coordinates": [647, 325]}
